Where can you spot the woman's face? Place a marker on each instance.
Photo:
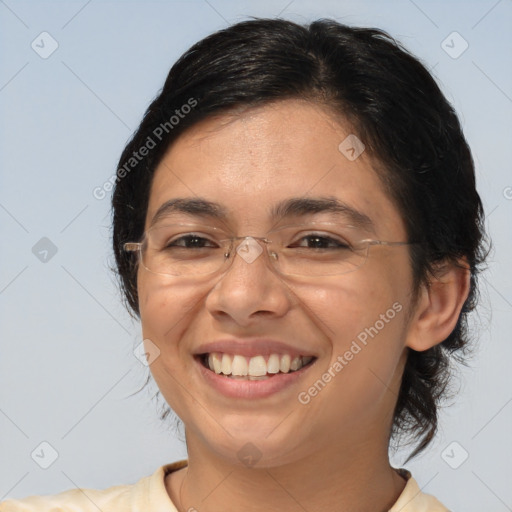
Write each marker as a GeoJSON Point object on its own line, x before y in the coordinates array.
{"type": "Point", "coordinates": [353, 324]}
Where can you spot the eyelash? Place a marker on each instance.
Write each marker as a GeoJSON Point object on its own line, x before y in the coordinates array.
{"type": "Point", "coordinates": [338, 244]}
{"type": "Point", "coordinates": [184, 237]}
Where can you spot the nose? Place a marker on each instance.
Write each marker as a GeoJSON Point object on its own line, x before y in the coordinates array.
{"type": "Point", "coordinates": [250, 287]}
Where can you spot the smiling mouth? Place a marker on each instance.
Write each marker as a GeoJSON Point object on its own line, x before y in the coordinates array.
{"type": "Point", "coordinates": [260, 367]}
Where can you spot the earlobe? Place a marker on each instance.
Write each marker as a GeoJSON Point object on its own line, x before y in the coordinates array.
{"type": "Point", "coordinates": [438, 306]}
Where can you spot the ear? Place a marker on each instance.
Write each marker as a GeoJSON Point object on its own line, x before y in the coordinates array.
{"type": "Point", "coordinates": [438, 305]}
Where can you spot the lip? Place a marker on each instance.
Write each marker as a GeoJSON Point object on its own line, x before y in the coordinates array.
{"type": "Point", "coordinates": [252, 347]}
{"type": "Point", "coordinates": [250, 389]}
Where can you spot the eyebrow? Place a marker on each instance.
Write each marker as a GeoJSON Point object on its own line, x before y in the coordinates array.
{"type": "Point", "coordinates": [292, 207]}
{"type": "Point", "coordinates": [191, 206]}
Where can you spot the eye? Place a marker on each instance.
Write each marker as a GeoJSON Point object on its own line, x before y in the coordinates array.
{"type": "Point", "coordinates": [317, 241]}
{"type": "Point", "coordinates": [190, 241]}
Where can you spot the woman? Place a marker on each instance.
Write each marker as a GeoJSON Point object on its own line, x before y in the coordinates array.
{"type": "Point", "coordinates": [296, 225]}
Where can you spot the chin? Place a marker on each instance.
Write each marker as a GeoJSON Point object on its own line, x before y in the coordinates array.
{"type": "Point", "coordinates": [258, 446]}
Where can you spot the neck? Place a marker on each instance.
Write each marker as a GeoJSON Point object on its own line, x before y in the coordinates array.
{"type": "Point", "coordinates": [338, 478]}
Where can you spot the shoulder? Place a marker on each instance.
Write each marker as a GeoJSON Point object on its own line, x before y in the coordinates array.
{"type": "Point", "coordinates": [413, 499]}
{"type": "Point", "coordinates": [147, 494]}
{"type": "Point", "coordinates": [83, 500]}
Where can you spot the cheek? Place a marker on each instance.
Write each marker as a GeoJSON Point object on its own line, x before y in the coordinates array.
{"type": "Point", "coordinates": [164, 309]}
{"type": "Point", "coordinates": [367, 324]}
{"type": "Point", "coordinates": [360, 377]}
{"type": "Point", "coordinates": [349, 304]}
{"type": "Point", "coordinates": [155, 310]}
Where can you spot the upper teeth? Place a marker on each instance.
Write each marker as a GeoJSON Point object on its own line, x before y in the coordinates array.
{"type": "Point", "coordinates": [255, 366]}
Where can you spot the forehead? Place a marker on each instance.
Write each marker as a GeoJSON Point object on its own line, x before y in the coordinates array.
{"type": "Point", "coordinates": [252, 161]}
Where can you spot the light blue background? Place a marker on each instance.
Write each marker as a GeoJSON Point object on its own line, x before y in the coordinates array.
{"type": "Point", "coordinates": [67, 366]}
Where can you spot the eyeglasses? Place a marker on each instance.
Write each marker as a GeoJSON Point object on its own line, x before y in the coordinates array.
{"type": "Point", "coordinates": [312, 249]}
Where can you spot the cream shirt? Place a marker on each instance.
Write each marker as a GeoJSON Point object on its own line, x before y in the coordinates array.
{"type": "Point", "coordinates": [149, 495]}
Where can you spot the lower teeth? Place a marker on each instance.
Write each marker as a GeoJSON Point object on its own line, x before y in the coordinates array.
{"type": "Point", "coordinates": [248, 377]}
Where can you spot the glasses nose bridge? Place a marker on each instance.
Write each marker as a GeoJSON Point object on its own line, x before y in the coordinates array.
{"type": "Point", "coordinates": [250, 248]}
{"type": "Point", "coordinates": [263, 239]}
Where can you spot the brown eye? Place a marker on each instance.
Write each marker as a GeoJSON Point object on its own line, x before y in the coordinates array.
{"type": "Point", "coordinates": [322, 242]}
{"type": "Point", "coordinates": [190, 241]}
